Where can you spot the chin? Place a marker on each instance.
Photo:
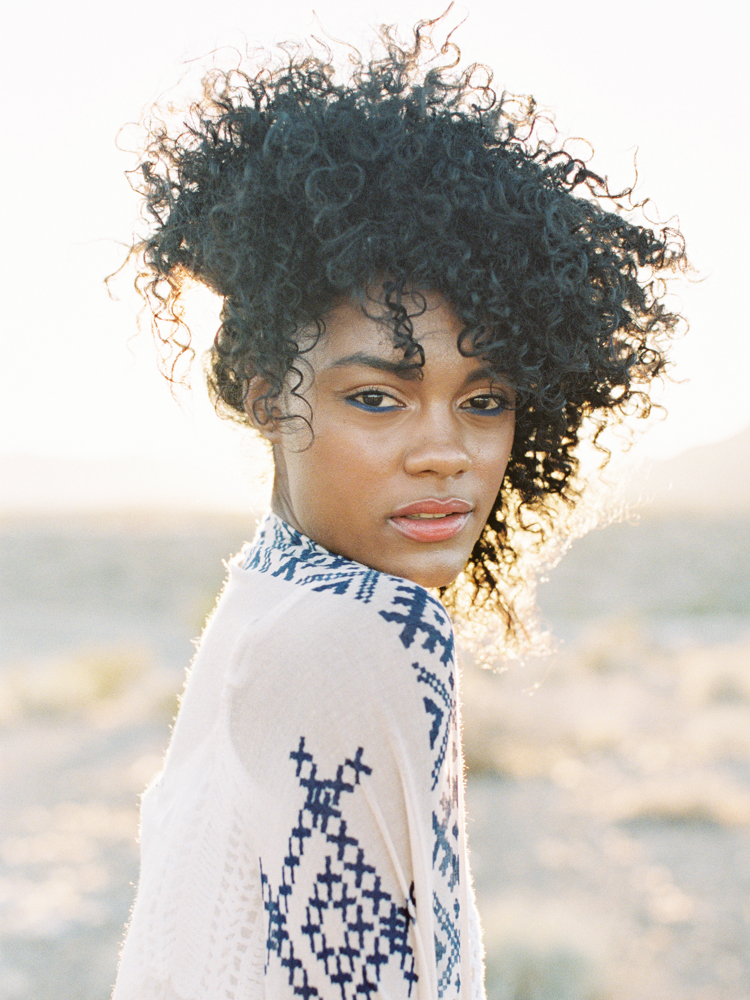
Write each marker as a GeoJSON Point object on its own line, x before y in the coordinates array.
{"type": "Point", "coordinates": [433, 577]}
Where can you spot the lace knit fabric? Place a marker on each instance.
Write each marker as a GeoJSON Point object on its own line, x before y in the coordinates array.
{"type": "Point", "coordinates": [306, 837]}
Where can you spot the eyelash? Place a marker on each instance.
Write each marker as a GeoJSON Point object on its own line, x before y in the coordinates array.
{"type": "Point", "coordinates": [355, 401]}
{"type": "Point", "coordinates": [502, 403]}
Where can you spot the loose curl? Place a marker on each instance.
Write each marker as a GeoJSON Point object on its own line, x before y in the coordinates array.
{"type": "Point", "coordinates": [287, 189]}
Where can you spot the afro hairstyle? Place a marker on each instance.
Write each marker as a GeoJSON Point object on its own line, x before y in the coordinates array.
{"type": "Point", "coordinates": [287, 188]}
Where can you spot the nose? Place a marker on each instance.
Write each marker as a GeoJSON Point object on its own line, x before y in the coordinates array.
{"type": "Point", "coordinates": [437, 446]}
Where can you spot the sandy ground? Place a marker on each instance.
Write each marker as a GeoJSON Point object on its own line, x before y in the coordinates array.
{"type": "Point", "coordinates": [609, 785]}
{"type": "Point", "coordinates": [610, 825]}
{"type": "Point", "coordinates": [611, 829]}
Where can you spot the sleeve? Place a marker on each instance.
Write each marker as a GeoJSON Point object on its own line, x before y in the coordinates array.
{"type": "Point", "coordinates": [345, 715]}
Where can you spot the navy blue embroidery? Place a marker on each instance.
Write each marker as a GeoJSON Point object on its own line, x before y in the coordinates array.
{"type": "Point", "coordinates": [437, 713]}
{"type": "Point", "coordinates": [414, 619]}
{"type": "Point", "coordinates": [442, 718]}
{"type": "Point", "coordinates": [286, 553]}
{"type": "Point", "coordinates": [290, 555]}
{"type": "Point", "coordinates": [447, 946]}
{"type": "Point", "coordinates": [373, 928]}
{"type": "Point", "coordinates": [443, 848]}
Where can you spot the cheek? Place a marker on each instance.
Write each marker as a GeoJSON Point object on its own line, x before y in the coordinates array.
{"type": "Point", "coordinates": [505, 442]}
{"type": "Point", "coordinates": [495, 458]}
{"type": "Point", "coordinates": [350, 454]}
{"type": "Point", "coordinates": [337, 472]}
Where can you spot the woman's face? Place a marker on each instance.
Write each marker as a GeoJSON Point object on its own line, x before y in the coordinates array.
{"type": "Point", "coordinates": [402, 471]}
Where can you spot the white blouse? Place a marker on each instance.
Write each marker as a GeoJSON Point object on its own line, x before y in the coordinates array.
{"type": "Point", "coordinates": [306, 837]}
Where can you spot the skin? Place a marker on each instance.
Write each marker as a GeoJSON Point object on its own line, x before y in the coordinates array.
{"type": "Point", "coordinates": [383, 437]}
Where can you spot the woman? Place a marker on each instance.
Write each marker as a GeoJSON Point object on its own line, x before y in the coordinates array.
{"type": "Point", "coordinates": [424, 318]}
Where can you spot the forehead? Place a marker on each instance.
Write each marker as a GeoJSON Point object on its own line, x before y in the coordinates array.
{"type": "Point", "coordinates": [351, 326]}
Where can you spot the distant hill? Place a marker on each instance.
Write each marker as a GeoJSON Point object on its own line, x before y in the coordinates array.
{"type": "Point", "coordinates": [712, 478]}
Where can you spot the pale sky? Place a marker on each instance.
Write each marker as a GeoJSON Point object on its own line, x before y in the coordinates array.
{"type": "Point", "coordinates": [665, 77]}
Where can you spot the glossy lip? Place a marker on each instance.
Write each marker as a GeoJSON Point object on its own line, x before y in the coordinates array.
{"type": "Point", "coordinates": [455, 513]}
{"type": "Point", "coordinates": [432, 506]}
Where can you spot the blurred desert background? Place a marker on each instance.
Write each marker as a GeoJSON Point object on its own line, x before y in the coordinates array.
{"type": "Point", "coordinates": [609, 782]}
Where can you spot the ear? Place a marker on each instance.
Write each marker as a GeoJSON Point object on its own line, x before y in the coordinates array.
{"type": "Point", "coordinates": [258, 415]}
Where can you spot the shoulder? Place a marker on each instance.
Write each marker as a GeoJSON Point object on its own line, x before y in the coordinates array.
{"type": "Point", "coordinates": [347, 630]}
{"type": "Point", "coordinates": [281, 554]}
{"type": "Point", "coordinates": [348, 598]}
{"type": "Point", "coordinates": [347, 669]}
{"type": "Point", "coordinates": [300, 600]}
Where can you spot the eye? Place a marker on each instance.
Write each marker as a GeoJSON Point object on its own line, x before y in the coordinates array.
{"type": "Point", "coordinates": [490, 403]}
{"type": "Point", "coordinates": [373, 399]}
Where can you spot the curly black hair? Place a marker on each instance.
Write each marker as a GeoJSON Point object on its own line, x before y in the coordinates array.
{"type": "Point", "coordinates": [288, 188]}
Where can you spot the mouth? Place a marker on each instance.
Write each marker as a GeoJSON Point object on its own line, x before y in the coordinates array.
{"type": "Point", "coordinates": [431, 520]}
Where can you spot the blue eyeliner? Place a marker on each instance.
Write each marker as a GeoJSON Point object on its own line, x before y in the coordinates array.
{"type": "Point", "coordinates": [371, 409]}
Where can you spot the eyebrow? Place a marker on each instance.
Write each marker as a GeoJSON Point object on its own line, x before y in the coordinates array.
{"type": "Point", "coordinates": [403, 369]}
{"type": "Point", "coordinates": [480, 374]}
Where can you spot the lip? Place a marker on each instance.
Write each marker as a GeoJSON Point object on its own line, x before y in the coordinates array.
{"type": "Point", "coordinates": [430, 505]}
{"type": "Point", "coordinates": [452, 515]}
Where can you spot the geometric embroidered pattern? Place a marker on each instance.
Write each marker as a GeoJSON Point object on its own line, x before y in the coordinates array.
{"type": "Point", "coordinates": [443, 714]}
{"type": "Point", "coordinates": [414, 603]}
{"type": "Point", "coordinates": [444, 852]}
{"type": "Point", "coordinates": [422, 624]}
{"type": "Point", "coordinates": [354, 927]}
{"type": "Point", "coordinates": [286, 553]}
{"type": "Point", "coordinates": [294, 557]}
{"type": "Point", "coordinates": [447, 947]}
